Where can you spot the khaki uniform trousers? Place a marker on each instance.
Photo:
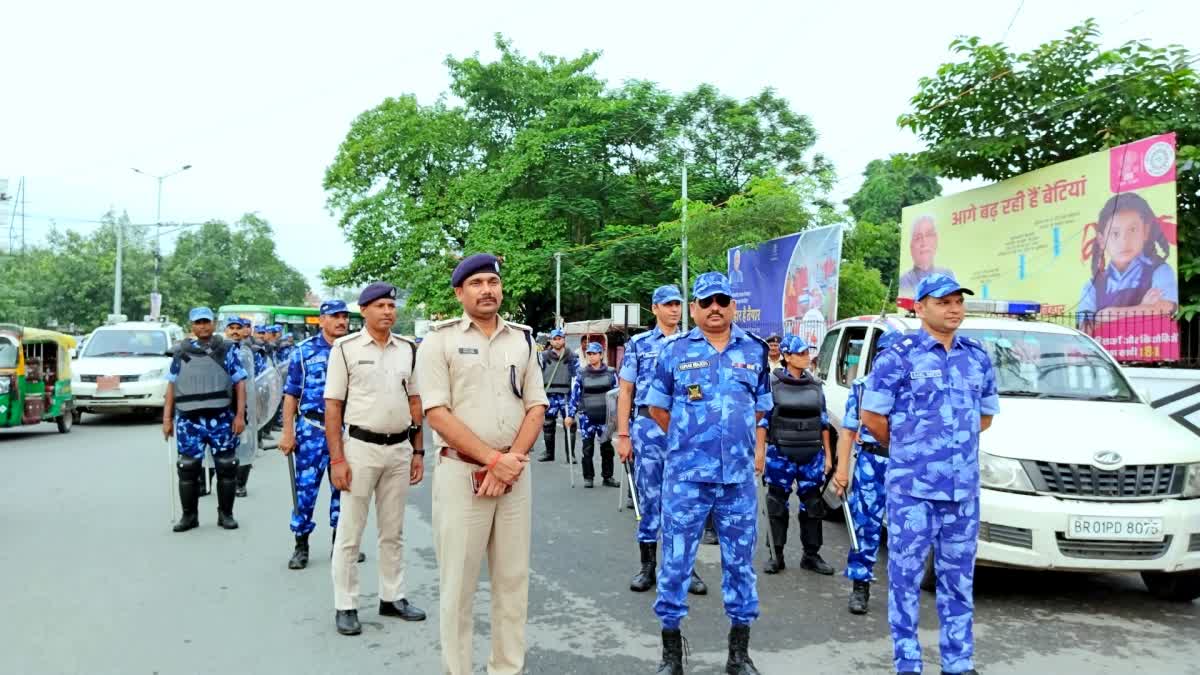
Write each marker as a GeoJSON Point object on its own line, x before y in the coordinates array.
{"type": "Point", "coordinates": [465, 527]}
{"type": "Point", "coordinates": [381, 471]}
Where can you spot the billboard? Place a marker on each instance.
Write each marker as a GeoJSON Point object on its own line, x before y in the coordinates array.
{"type": "Point", "coordinates": [1093, 238]}
{"type": "Point", "coordinates": [789, 284]}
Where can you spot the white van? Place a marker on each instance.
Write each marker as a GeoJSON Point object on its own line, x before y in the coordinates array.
{"type": "Point", "coordinates": [123, 368]}
{"type": "Point", "coordinates": [1078, 472]}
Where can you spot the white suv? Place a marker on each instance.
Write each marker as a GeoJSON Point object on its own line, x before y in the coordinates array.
{"type": "Point", "coordinates": [1078, 472]}
{"type": "Point", "coordinates": [123, 368]}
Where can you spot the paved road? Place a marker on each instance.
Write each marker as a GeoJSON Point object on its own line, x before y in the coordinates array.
{"type": "Point", "coordinates": [94, 581]}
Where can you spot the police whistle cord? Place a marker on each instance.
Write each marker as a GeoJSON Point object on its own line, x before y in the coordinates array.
{"type": "Point", "coordinates": [291, 457]}
{"type": "Point", "coordinates": [762, 495]}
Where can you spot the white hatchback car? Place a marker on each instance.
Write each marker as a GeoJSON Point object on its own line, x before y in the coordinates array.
{"type": "Point", "coordinates": [1078, 472]}
{"type": "Point", "coordinates": [123, 368]}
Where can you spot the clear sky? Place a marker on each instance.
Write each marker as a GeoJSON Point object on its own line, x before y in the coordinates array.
{"type": "Point", "coordinates": [258, 95]}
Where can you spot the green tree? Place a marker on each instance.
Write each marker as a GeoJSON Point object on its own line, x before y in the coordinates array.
{"type": "Point", "coordinates": [995, 113]}
{"type": "Point", "coordinates": [860, 290]}
{"type": "Point", "coordinates": [876, 246]}
{"type": "Point", "coordinates": [542, 156]}
{"type": "Point", "coordinates": [891, 184]}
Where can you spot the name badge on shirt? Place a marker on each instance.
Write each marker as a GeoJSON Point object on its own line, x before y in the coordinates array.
{"type": "Point", "coordinates": [366, 362]}
{"type": "Point", "coordinates": [468, 350]}
{"type": "Point", "coordinates": [695, 393]}
{"type": "Point", "coordinates": [693, 365]}
{"type": "Point", "coordinates": [924, 374]}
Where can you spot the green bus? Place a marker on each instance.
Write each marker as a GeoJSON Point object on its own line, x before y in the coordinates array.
{"type": "Point", "coordinates": [301, 322]}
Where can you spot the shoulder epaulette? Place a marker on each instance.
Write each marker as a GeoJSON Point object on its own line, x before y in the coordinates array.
{"type": "Point", "coordinates": [438, 325]}
{"type": "Point", "coordinates": [518, 326]}
{"type": "Point", "coordinates": [346, 338]}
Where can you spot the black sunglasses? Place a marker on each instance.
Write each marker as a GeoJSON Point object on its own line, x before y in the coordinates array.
{"type": "Point", "coordinates": [720, 298]}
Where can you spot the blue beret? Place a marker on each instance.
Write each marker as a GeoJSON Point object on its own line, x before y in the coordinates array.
{"type": "Point", "coordinates": [375, 291]}
{"type": "Point", "coordinates": [474, 264]}
{"type": "Point", "coordinates": [260, 329]}
{"type": "Point", "coordinates": [557, 332]}
{"type": "Point", "coordinates": [939, 286]}
{"type": "Point", "coordinates": [333, 307]}
{"type": "Point", "coordinates": [236, 321]}
{"type": "Point", "coordinates": [274, 328]}
{"type": "Point", "coordinates": [710, 284]}
{"type": "Point", "coordinates": [594, 348]}
{"type": "Point", "coordinates": [793, 344]}
{"type": "Point", "coordinates": [200, 314]}
{"type": "Point", "coordinates": [665, 294]}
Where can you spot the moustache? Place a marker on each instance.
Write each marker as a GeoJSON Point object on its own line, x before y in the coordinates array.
{"type": "Point", "coordinates": [489, 298]}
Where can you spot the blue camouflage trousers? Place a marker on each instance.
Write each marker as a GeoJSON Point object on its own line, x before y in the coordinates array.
{"type": "Point", "coordinates": [952, 530]}
{"type": "Point", "coordinates": [783, 473]}
{"type": "Point", "coordinates": [557, 408]}
{"type": "Point", "coordinates": [686, 505]}
{"type": "Point", "coordinates": [867, 501]}
{"type": "Point", "coordinates": [648, 442]}
{"type": "Point", "coordinates": [214, 432]}
{"type": "Point", "coordinates": [312, 462]}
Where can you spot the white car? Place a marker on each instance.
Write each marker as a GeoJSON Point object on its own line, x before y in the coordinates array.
{"type": "Point", "coordinates": [1078, 472]}
{"type": "Point", "coordinates": [123, 368]}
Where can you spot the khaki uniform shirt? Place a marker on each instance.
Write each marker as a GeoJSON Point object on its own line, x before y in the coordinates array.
{"type": "Point", "coordinates": [474, 377]}
{"type": "Point", "coordinates": [374, 382]}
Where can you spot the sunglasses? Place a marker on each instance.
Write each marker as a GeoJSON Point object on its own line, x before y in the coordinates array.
{"type": "Point", "coordinates": [720, 298]}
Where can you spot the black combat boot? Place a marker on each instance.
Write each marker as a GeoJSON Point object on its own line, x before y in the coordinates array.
{"type": "Point", "coordinates": [965, 672]}
{"type": "Point", "coordinates": [300, 556]}
{"type": "Point", "coordinates": [672, 658]}
{"type": "Point", "coordinates": [226, 487]}
{"type": "Point", "coordinates": [813, 562]}
{"type": "Point", "coordinates": [243, 475]}
{"type": "Point", "coordinates": [548, 455]}
{"type": "Point", "coordinates": [775, 564]}
{"type": "Point", "coordinates": [189, 499]}
{"type": "Point", "coordinates": [203, 484]}
{"type": "Point", "coordinates": [644, 580]}
{"type": "Point", "coordinates": [739, 662]}
{"type": "Point", "coordinates": [696, 585]}
{"type": "Point", "coordinates": [860, 597]}
{"type": "Point", "coordinates": [710, 533]}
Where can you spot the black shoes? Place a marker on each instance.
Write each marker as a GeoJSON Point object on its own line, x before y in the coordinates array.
{"type": "Point", "coordinates": [189, 520]}
{"type": "Point", "coordinates": [775, 564]}
{"type": "Point", "coordinates": [697, 586]}
{"type": "Point", "coordinates": [400, 609]}
{"type": "Point", "coordinates": [347, 622]}
{"type": "Point", "coordinates": [672, 657]}
{"type": "Point", "coordinates": [300, 556]}
{"type": "Point", "coordinates": [644, 579]}
{"type": "Point", "coordinates": [710, 537]}
{"type": "Point", "coordinates": [860, 597]}
{"type": "Point", "coordinates": [813, 562]}
{"type": "Point", "coordinates": [225, 520]}
{"type": "Point", "coordinates": [608, 482]}
{"type": "Point", "coordinates": [546, 457]}
{"type": "Point", "coordinates": [965, 672]}
{"type": "Point", "coordinates": [587, 483]}
{"type": "Point", "coordinates": [739, 662]}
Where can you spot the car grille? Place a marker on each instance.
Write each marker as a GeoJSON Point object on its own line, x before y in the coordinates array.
{"type": "Point", "coordinates": [1008, 536]}
{"type": "Point", "coordinates": [93, 378]}
{"type": "Point", "coordinates": [1096, 549]}
{"type": "Point", "coordinates": [1194, 543]}
{"type": "Point", "coordinates": [1138, 481]}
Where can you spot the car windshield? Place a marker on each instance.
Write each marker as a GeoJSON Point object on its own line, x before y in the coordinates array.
{"type": "Point", "coordinates": [1052, 365]}
{"type": "Point", "coordinates": [127, 343]}
{"type": "Point", "coordinates": [8, 352]}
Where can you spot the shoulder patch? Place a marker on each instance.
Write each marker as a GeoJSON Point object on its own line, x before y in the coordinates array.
{"type": "Point", "coordinates": [438, 325]}
{"type": "Point", "coordinates": [404, 339]}
{"type": "Point", "coordinates": [518, 326]}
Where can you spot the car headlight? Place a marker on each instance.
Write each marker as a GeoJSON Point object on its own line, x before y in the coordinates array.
{"type": "Point", "coordinates": [1191, 481]}
{"type": "Point", "coordinates": [152, 375]}
{"type": "Point", "coordinates": [1002, 473]}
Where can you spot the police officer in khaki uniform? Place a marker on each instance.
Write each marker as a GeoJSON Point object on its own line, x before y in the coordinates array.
{"type": "Point", "coordinates": [483, 395]}
{"type": "Point", "coordinates": [370, 387]}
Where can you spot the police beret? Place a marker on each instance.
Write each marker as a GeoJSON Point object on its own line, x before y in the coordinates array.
{"type": "Point", "coordinates": [374, 291]}
{"type": "Point", "coordinates": [200, 314]}
{"type": "Point", "coordinates": [474, 264]}
{"type": "Point", "coordinates": [333, 307]}
{"type": "Point", "coordinates": [710, 284]}
{"type": "Point", "coordinates": [594, 348]}
{"type": "Point", "coordinates": [794, 344]}
{"type": "Point", "coordinates": [236, 321]}
{"type": "Point", "coordinates": [274, 328]}
{"type": "Point", "coordinates": [939, 286]}
{"type": "Point", "coordinates": [665, 294]}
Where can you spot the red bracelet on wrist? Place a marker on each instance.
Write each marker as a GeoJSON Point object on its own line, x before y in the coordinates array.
{"type": "Point", "coordinates": [337, 461]}
{"type": "Point", "coordinates": [492, 464]}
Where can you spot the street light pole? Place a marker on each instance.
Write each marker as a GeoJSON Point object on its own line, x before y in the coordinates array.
{"type": "Point", "coordinates": [684, 316]}
{"type": "Point", "coordinates": [117, 275]}
{"type": "Point", "coordinates": [158, 220]}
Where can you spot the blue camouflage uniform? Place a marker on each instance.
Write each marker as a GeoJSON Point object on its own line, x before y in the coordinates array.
{"type": "Point", "coordinates": [214, 431]}
{"type": "Point", "coordinates": [933, 399]}
{"type": "Point", "coordinates": [590, 430]}
{"type": "Point", "coordinates": [306, 383]}
{"type": "Point", "coordinates": [782, 474]}
{"type": "Point", "coordinates": [646, 437]}
{"type": "Point", "coordinates": [713, 398]}
{"type": "Point", "coordinates": [866, 500]}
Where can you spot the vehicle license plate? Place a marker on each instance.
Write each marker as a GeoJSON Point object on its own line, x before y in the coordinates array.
{"type": "Point", "coordinates": [109, 383]}
{"type": "Point", "coordinates": [1114, 528]}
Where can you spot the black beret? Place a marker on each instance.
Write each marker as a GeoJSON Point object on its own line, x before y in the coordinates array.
{"type": "Point", "coordinates": [474, 264]}
{"type": "Point", "coordinates": [375, 291]}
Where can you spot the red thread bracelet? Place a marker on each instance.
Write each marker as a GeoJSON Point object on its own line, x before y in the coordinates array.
{"type": "Point", "coordinates": [337, 461]}
{"type": "Point", "coordinates": [492, 464]}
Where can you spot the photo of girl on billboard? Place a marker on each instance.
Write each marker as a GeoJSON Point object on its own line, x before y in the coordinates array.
{"type": "Point", "coordinates": [1130, 275]}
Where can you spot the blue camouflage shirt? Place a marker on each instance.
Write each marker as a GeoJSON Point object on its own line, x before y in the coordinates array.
{"type": "Point", "coordinates": [233, 362]}
{"type": "Point", "coordinates": [933, 400]}
{"type": "Point", "coordinates": [713, 397]}
{"type": "Point", "coordinates": [850, 421]}
{"type": "Point", "coordinates": [306, 374]}
{"type": "Point", "coordinates": [577, 388]}
{"type": "Point", "coordinates": [637, 366]}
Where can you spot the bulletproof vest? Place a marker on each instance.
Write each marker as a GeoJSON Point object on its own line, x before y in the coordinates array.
{"type": "Point", "coordinates": [596, 384]}
{"type": "Point", "coordinates": [203, 384]}
{"type": "Point", "coordinates": [556, 371]}
{"type": "Point", "coordinates": [796, 420]}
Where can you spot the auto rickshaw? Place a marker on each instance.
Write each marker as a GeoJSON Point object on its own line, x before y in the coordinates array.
{"type": "Point", "coordinates": [35, 377]}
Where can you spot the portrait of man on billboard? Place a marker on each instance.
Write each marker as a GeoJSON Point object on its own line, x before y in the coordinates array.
{"type": "Point", "coordinates": [922, 244]}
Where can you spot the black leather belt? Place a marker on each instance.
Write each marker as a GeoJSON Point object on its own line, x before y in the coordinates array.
{"type": "Point", "coordinates": [368, 436]}
{"type": "Point", "coordinates": [643, 411]}
{"type": "Point", "coordinates": [875, 449]}
{"type": "Point", "coordinates": [314, 417]}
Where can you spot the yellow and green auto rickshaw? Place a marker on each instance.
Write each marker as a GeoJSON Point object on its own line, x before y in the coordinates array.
{"type": "Point", "coordinates": [35, 377]}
